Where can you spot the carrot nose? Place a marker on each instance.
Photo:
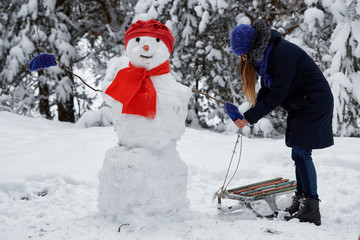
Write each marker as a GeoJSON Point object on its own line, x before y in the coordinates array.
{"type": "Point", "coordinates": [146, 47]}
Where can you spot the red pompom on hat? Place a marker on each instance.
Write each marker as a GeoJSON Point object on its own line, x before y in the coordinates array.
{"type": "Point", "coordinates": [151, 28]}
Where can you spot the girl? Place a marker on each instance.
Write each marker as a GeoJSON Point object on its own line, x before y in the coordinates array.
{"type": "Point", "coordinates": [292, 80]}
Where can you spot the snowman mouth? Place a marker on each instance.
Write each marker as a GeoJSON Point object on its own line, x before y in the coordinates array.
{"type": "Point", "coordinates": [147, 57]}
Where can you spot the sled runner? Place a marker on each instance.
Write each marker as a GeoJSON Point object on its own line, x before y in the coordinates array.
{"type": "Point", "coordinates": [265, 190]}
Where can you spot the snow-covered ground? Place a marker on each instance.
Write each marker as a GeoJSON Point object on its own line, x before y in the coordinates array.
{"type": "Point", "coordinates": [48, 186]}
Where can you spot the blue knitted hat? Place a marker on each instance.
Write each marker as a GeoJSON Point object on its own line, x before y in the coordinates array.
{"type": "Point", "coordinates": [241, 39]}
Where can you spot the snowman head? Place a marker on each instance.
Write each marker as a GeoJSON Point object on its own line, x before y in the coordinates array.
{"type": "Point", "coordinates": [148, 44]}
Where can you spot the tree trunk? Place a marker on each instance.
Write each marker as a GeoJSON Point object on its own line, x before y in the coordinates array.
{"type": "Point", "coordinates": [44, 93]}
{"type": "Point", "coordinates": [66, 110]}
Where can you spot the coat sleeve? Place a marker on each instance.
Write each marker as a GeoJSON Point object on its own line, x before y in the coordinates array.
{"type": "Point", "coordinates": [283, 65]}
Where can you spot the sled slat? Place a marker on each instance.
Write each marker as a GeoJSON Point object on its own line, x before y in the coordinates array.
{"type": "Point", "coordinates": [261, 187]}
{"type": "Point", "coordinates": [271, 188]}
{"type": "Point", "coordinates": [292, 187]}
{"type": "Point", "coordinates": [255, 184]}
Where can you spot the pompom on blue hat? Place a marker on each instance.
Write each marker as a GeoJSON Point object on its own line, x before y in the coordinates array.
{"type": "Point", "coordinates": [241, 39]}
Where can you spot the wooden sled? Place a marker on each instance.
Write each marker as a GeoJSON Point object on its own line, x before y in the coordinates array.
{"type": "Point", "coordinates": [265, 190]}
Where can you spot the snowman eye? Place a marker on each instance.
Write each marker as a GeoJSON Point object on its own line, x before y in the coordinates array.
{"type": "Point", "coordinates": [137, 39]}
{"type": "Point", "coordinates": [158, 39]}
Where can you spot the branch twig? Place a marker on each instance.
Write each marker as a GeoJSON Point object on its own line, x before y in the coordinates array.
{"type": "Point", "coordinates": [220, 101]}
{"type": "Point", "coordinates": [69, 69]}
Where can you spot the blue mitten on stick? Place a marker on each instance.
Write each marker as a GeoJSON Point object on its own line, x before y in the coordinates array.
{"type": "Point", "coordinates": [233, 111]}
{"type": "Point", "coordinates": [41, 61]}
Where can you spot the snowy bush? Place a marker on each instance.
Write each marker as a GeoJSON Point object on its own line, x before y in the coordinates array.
{"type": "Point", "coordinates": [100, 118]}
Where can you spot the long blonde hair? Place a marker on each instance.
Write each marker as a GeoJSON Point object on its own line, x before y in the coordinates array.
{"type": "Point", "coordinates": [248, 78]}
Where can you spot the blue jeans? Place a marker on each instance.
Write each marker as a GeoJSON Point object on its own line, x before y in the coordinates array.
{"type": "Point", "coordinates": [305, 172]}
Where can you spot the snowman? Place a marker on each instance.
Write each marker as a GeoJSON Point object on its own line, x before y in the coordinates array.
{"type": "Point", "coordinates": [143, 174]}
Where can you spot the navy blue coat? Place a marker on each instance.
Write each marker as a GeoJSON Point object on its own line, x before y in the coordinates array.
{"type": "Point", "coordinates": [298, 86]}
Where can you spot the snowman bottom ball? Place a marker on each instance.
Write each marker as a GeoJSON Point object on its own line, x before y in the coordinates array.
{"type": "Point", "coordinates": [142, 182]}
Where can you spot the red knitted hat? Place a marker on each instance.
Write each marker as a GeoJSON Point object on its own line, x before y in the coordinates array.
{"type": "Point", "coordinates": [151, 28]}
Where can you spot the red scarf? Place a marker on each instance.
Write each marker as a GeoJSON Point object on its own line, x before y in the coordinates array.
{"type": "Point", "coordinates": [134, 89]}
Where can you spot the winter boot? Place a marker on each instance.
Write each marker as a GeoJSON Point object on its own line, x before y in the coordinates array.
{"type": "Point", "coordinates": [308, 211]}
{"type": "Point", "coordinates": [295, 204]}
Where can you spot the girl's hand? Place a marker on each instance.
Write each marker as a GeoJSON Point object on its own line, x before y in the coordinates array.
{"type": "Point", "coordinates": [240, 123]}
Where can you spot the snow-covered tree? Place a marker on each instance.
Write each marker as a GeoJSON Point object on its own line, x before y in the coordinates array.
{"type": "Point", "coordinates": [81, 34]}
{"type": "Point", "coordinates": [331, 28]}
{"type": "Point", "coordinates": [15, 49]}
{"type": "Point", "coordinates": [28, 28]}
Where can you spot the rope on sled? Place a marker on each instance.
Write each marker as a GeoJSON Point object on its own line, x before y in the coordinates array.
{"type": "Point", "coordinates": [222, 190]}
